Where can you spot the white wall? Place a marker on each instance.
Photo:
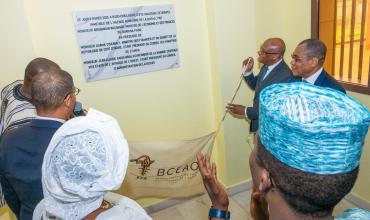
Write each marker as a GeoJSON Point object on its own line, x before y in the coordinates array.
{"type": "Point", "coordinates": [235, 39]}
{"type": "Point", "coordinates": [16, 48]}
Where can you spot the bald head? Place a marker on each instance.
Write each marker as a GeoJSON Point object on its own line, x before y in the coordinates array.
{"type": "Point", "coordinates": [271, 51]}
{"type": "Point", "coordinates": [37, 66]}
{"type": "Point", "coordinates": [276, 45]}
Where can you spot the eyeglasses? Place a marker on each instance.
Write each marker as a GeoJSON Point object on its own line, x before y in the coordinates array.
{"type": "Point", "coordinates": [75, 92]}
{"type": "Point", "coordinates": [296, 58]}
{"type": "Point", "coordinates": [262, 53]}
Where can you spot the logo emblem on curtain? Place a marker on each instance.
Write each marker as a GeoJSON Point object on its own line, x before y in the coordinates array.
{"type": "Point", "coordinates": [145, 163]}
{"type": "Point", "coordinates": [165, 168]}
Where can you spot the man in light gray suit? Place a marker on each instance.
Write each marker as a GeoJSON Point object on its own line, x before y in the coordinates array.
{"type": "Point", "coordinates": [274, 70]}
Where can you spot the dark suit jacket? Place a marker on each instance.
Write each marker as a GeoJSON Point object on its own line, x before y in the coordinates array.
{"type": "Point", "coordinates": [21, 154]}
{"type": "Point", "coordinates": [325, 80]}
{"type": "Point", "coordinates": [280, 74]}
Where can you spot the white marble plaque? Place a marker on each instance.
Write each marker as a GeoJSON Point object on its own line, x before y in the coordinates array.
{"type": "Point", "coordinates": [120, 42]}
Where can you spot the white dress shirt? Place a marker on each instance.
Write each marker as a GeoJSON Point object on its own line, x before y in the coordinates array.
{"type": "Point", "coordinates": [312, 79]}
{"type": "Point", "coordinates": [50, 118]}
{"type": "Point", "coordinates": [269, 69]}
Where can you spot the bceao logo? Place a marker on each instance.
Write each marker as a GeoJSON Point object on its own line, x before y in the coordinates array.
{"type": "Point", "coordinates": [145, 163]}
{"type": "Point", "coordinates": [178, 170]}
{"type": "Point", "coordinates": [172, 173]}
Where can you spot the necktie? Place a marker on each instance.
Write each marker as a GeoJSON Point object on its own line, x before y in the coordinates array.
{"type": "Point", "coordinates": [263, 72]}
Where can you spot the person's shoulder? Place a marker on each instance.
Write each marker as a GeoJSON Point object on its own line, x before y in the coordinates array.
{"type": "Point", "coordinates": [11, 138]}
{"type": "Point", "coordinates": [295, 79]}
{"type": "Point", "coordinates": [25, 120]}
{"type": "Point", "coordinates": [8, 137]}
{"type": "Point", "coordinates": [284, 73]}
{"type": "Point", "coordinates": [14, 131]}
{"type": "Point", "coordinates": [283, 64]}
{"type": "Point", "coordinates": [331, 82]}
{"type": "Point", "coordinates": [328, 78]}
{"type": "Point", "coordinates": [9, 88]}
{"type": "Point", "coordinates": [123, 207]}
{"type": "Point", "coordinates": [120, 200]}
{"type": "Point", "coordinates": [284, 68]}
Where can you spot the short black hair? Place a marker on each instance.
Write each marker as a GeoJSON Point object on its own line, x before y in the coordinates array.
{"type": "Point", "coordinates": [50, 88]}
{"type": "Point", "coordinates": [306, 193]}
{"type": "Point", "coordinates": [315, 48]}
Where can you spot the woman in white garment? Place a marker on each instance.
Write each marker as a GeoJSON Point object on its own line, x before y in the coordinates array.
{"type": "Point", "coordinates": [86, 158]}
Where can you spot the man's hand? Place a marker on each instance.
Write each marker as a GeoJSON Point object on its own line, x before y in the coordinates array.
{"type": "Point", "coordinates": [217, 194]}
{"type": "Point", "coordinates": [236, 109]}
{"type": "Point", "coordinates": [258, 206]}
{"type": "Point", "coordinates": [248, 64]}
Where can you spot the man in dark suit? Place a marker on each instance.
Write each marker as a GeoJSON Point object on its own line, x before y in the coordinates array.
{"type": "Point", "coordinates": [307, 62]}
{"type": "Point", "coordinates": [274, 70]}
{"type": "Point", "coordinates": [22, 149]}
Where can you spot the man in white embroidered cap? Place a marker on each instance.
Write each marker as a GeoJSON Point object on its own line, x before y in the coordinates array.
{"type": "Point", "coordinates": [307, 155]}
{"type": "Point", "coordinates": [86, 158]}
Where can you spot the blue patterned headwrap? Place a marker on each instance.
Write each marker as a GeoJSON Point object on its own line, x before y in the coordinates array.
{"type": "Point", "coordinates": [311, 128]}
{"type": "Point", "coordinates": [354, 214]}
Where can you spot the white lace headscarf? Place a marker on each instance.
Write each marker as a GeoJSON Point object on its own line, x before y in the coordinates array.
{"type": "Point", "coordinates": [86, 157]}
